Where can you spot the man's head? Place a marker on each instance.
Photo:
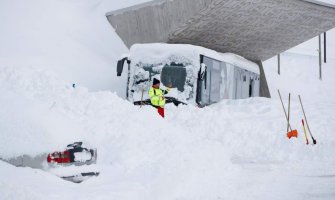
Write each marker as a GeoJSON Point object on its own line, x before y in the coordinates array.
{"type": "Point", "coordinates": [156, 83]}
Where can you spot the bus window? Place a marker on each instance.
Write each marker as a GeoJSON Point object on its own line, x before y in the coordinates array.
{"type": "Point", "coordinates": [238, 82]}
{"type": "Point", "coordinates": [251, 88]}
{"type": "Point", "coordinates": [209, 87]}
{"type": "Point", "coordinates": [231, 86]}
{"type": "Point", "coordinates": [245, 84]}
{"type": "Point", "coordinates": [224, 91]}
{"type": "Point", "coordinates": [215, 82]}
{"type": "Point", "coordinates": [174, 75]}
{"type": "Point", "coordinates": [206, 82]}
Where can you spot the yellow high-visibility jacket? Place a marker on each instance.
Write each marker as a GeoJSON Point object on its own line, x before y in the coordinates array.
{"type": "Point", "coordinates": [156, 97]}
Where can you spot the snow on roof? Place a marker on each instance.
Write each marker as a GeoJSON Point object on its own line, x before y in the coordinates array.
{"type": "Point", "coordinates": [161, 52]}
{"type": "Point", "coordinates": [327, 3]}
{"type": "Point", "coordinates": [240, 61]}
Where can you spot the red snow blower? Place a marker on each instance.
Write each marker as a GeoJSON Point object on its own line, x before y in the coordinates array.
{"type": "Point", "coordinates": [74, 154]}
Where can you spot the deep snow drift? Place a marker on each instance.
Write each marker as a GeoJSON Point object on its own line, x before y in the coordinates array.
{"type": "Point", "coordinates": [209, 153]}
{"type": "Point", "coordinates": [231, 150]}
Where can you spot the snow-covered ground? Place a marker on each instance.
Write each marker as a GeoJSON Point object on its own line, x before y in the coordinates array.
{"type": "Point", "coordinates": [209, 153]}
{"type": "Point", "coordinates": [231, 150]}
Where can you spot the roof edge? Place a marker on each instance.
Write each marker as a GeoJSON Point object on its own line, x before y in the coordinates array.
{"type": "Point", "coordinates": [135, 7]}
{"type": "Point", "coordinates": [321, 3]}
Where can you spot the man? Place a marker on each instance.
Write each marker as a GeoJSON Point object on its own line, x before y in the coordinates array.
{"type": "Point", "coordinates": [157, 96]}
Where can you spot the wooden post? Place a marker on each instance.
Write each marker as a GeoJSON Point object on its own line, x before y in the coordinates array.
{"type": "Point", "coordinates": [279, 64]}
{"type": "Point", "coordinates": [320, 59]}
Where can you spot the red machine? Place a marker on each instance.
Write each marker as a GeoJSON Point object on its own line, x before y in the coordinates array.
{"type": "Point", "coordinates": [74, 154]}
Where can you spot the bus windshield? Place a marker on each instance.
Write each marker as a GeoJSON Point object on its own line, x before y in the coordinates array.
{"type": "Point", "coordinates": [177, 76]}
{"type": "Point", "coordinates": [174, 76]}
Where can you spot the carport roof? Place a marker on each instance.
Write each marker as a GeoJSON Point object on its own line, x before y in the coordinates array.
{"type": "Point", "coordinates": [255, 29]}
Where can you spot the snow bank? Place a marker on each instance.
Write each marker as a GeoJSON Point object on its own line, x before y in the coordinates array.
{"type": "Point", "coordinates": [231, 150]}
{"type": "Point", "coordinates": [300, 75]}
{"type": "Point", "coordinates": [311, 47]}
{"type": "Point", "coordinates": [28, 122]}
{"type": "Point", "coordinates": [192, 154]}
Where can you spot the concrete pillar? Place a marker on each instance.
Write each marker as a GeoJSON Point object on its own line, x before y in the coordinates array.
{"type": "Point", "coordinates": [264, 89]}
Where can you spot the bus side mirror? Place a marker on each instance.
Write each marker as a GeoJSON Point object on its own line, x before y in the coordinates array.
{"type": "Point", "coordinates": [203, 69]}
{"type": "Point", "coordinates": [120, 64]}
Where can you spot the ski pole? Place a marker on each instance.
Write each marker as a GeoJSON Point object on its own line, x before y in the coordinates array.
{"type": "Point", "coordinates": [303, 125]}
{"type": "Point", "coordinates": [309, 130]}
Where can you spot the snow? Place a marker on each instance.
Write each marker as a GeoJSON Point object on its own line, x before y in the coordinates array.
{"type": "Point", "coordinates": [235, 149]}
{"type": "Point", "coordinates": [240, 61]}
{"type": "Point", "coordinates": [157, 53]}
{"type": "Point", "coordinates": [66, 171]}
{"type": "Point", "coordinates": [302, 73]}
{"type": "Point", "coordinates": [82, 156]}
{"type": "Point", "coordinates": [329, 3]}
{"type": "Point", "coordinates": [71, 38]}
{"type": "Point", "coordinates": [192, 154]}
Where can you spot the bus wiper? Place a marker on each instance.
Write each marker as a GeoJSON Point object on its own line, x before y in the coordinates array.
{"type": "Point", "coordinates": [141, 81]}
{"type": "Point", "coordinates": [174, 101]}
{"type": "Point", "coordinates": [168, 100]}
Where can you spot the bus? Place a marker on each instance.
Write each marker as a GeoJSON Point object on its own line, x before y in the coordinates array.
{"type": "Point", "coordinates": [196, 75]}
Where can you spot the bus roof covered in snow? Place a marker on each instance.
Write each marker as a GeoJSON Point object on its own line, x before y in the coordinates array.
{"type": "Point", "coordinates": [159, 52]}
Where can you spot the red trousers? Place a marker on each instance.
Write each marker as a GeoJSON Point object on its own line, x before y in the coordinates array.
{"type": "Point", "coordinates": [160, 111]}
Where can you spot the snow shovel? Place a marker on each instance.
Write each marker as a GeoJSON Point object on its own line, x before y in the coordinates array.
{"type": "Point", "coordinates": [291, 133]}
{"type": "Point", "coordinates": [303, 125]}
{"type": "Point", "coordinates": [309, 130]}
